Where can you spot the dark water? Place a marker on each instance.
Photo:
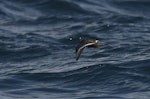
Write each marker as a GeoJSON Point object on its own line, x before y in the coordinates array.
{"type": "Point", "coordinates": [37, 49]}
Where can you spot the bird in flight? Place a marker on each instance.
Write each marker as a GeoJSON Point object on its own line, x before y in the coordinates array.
{"type": "Point", "coordinates": [86, 43]}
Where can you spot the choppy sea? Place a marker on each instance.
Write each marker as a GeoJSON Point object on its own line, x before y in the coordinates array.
{"type": "Point", "coordinates": [37, 49]}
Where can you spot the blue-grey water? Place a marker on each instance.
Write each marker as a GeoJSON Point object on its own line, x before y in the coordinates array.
{"type": "Point", "coordinates": [37, 49]}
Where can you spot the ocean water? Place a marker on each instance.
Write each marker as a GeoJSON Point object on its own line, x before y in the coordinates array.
{"type": "Point", "coordinates": [37, 49]}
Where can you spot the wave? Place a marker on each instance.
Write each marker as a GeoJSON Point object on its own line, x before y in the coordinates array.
{"type": "Point", "coordinates": [30, 10]}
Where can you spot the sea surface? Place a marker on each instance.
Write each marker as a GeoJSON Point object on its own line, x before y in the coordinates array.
{"type": "Point", "coordinates": [37, 49]}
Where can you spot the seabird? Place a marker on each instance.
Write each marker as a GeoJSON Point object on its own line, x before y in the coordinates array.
{"type": "Point", "coordinates": [85, 43]}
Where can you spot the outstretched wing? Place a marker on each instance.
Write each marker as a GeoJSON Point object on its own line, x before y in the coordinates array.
{"type": "Point", "coordinates": [80, 49]}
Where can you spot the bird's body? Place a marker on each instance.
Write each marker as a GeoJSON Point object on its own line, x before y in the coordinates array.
{"type": "Point", "coordinates": [85, 43]}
